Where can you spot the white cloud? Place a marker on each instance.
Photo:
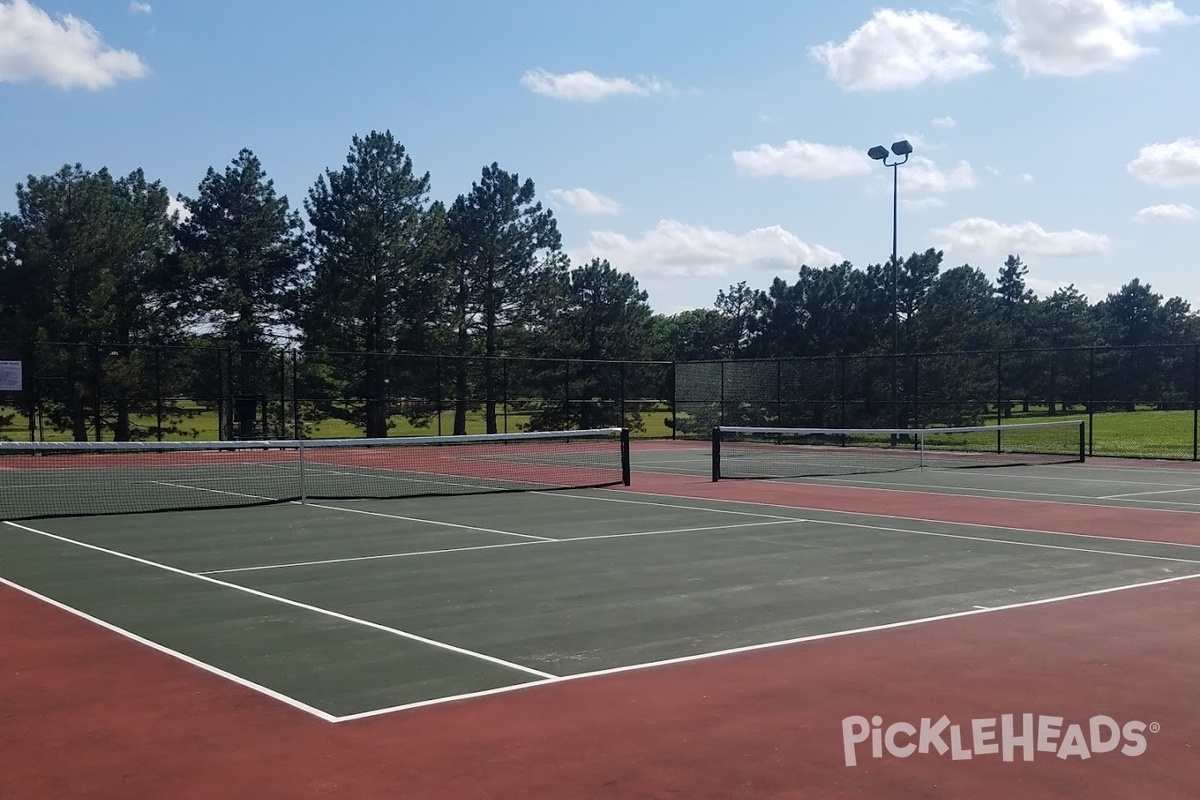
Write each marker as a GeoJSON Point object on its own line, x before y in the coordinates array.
{"type": "Point", "coordinates": [922, 176]}
{"type": "Point", "coordinates": [800, 159]}
{"type": "Point", "coordinates": [1173, 164]}
{"type": "Point", "coordinates": [1168, 213]}
{"type": "Point", "coordinates": [139, 8]}
{"type": "Point", "coordinates": [1043, 287]}
{"type": "Point", "coordinates": [980, 236]}
{"type": "Point", "coordinates": [944, 122]}
{"type": "Point", "coordinates": [587, 86]}
{"type": "Point", "coordinates": [1070, 38]}
{"type": "Point", "coordinates": [677, 250]}
{"type": "Point", "coordinates": [1025, 177]}
{"type": "Point", "coordinates": [66, 52]}
{"type": "Point", "coordinates": [584, 201]}
{"type": "Point", "coordinates": [917, 141]}
{"type": "Point", "coordinates": [902, 50]}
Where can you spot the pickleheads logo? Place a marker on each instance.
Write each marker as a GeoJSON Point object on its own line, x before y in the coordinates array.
{"type": "Point", "coordinates": [1006, 737]}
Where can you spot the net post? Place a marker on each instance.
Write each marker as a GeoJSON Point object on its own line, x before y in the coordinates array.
{"type": "Point", "coordinates": [625, 460]}
{"type": "Point", "coordinates": [303, 472]}
{"type": "Point", "coordinates": [716, 454]}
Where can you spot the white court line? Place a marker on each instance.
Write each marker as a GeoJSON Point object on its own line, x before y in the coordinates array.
{"type": "Point", "coordinates": [1142, 494]}
{"type": "Point", "coordinates": [971, 491]}
{"type": "Point", "coordinates": [734, 512]}
{"type": "Point", "coordinates": [656, 470]}
{"type": "Point", "coordinates": [1135, 465]}
{"type": "Point", "coordinates": [288, 602]}
{"type": "Point", "coordinates": [615, 670]}
{"type": "Point", "coordinates": [962, 536]}
{"type": "Point", "coordinates": [851, 481]}
{"type": "Point", "coordinates": [867, 514]}
{"type": "Point", "coordinates": [762, 646]}
{"type": "Point", "coordinates": [1005, 473]}
{"type": "Point", "coordinates": [274, 695]}
{"type": "Point", "coordinates": [502, 483]}
{"type": "Point", "coordinates": [216, 491]}
{"type": "Point", "coordinates": [408, 554]}
{"type": "Point", "coordinates": [437, 522]}
{"type": "Point", "coordinates": [457, 525]}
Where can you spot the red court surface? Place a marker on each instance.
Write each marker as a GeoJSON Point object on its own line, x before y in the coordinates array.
{"type": "Point", "coordinates": [86, 713]}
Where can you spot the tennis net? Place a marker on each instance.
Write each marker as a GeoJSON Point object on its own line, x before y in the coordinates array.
{"type": "Point", "coordinates": [740, 452]}
{"type": "Point", "coordinates": [42, 479]}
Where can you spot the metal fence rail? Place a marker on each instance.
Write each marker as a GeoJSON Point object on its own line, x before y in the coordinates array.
{"type": "Point", "coordinates": [1138, 401]}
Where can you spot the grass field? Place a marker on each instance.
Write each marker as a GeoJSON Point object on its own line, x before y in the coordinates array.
{"type": "Point", "coordinates": [1145, 433]}
{"type": "Point", "coordinates": [201, 424]}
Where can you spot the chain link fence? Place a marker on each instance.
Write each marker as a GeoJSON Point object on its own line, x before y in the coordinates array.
{"type": "Point", "coordinates": [86, 392]}
{"type": "Point", "coordinates": [1138, 401]}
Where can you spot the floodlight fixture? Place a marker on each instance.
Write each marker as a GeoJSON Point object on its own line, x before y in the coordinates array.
{"type": "Point", "coordinates": [902, 148]}
{"type": "Point", "coordinates": [879, 152]}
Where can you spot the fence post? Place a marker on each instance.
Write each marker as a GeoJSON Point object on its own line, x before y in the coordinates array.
{"type": "Point", "coordinates": [504, 391]}
{"type": "Point", "coordinates": [623, 385]}
{"type": "Point", "coordinates": [34, 400]}
{"type": "Point", "coordinates": [674, 400]}
{"type": "Point", "coordinates": [98, 384]}
{"type": "Point", "coordinates": [999, 397]}
{"type": "Point", "coordinates": [437, 391]}
{"type": "Point", "coordinates": [282, 426]}
{"type": "Point", "coordinates": [266, 402]}
{"type": "Point", "coordinates": [297, 429]}
{"type": "Point", "coordinates": [1196, 402]}
{"type": "Point", "coordinates": [566, 392]}
{"type": "Point", "coordinates": [158, 397]}
{"type": "Point", "coordinates": [721, 396]}
{"type": "Point", "coordinates": [779, 392]}
{"type": "Point", "coordinates": [1091, 400]}
{"type": "Point", "coordinates": [916, 390]}
{"type": "Point", "coordinates": [842, 389]}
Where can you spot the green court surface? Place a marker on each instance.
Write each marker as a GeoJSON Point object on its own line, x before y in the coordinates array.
{"type": "Point", "coordinates": [352, 608]}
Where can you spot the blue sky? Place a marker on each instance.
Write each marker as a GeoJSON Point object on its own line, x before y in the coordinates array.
{"type": "Point", "coordinates": [693, 143]}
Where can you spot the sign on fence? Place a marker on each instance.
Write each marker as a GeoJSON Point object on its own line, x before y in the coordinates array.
{"type": "Point", "coordinates": [10, 376]}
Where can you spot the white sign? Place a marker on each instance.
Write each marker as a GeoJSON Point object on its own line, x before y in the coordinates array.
{"type": "Point", "coordinates": [980, 737]}
{"type": "Point", "coordinates": [10, 376]}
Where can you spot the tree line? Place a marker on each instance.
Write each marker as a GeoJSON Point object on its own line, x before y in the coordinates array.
{"type": "Point", "coordinates": [371, 266]}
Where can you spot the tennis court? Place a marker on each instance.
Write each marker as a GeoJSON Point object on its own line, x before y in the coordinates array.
{"type": "Point", "coordinates": [541, 611]}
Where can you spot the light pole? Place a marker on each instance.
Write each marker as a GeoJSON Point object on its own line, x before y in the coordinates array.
{"type": "Point", "coordinates": [901, 150]}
